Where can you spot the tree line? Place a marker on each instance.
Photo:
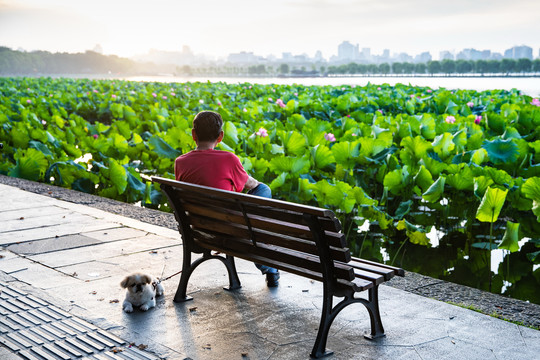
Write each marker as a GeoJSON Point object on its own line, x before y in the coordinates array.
{"type": "Point", "coordinates": [13, 62]}
{"type": "Point", "coordinates": [448, 67]}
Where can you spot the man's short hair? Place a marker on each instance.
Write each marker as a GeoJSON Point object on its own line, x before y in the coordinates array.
{"type": "Point", "coordinates": [207, 125]}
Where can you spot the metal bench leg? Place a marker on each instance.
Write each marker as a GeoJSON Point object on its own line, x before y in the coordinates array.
{"type": "Point", "coordinates": [377, 329]}
{"type": "Point", "coordinates": [187, 270]}
{"type": "Point", "coordinates": [319, 349]}
{"type": "Point", "coordinates": [234, 281]}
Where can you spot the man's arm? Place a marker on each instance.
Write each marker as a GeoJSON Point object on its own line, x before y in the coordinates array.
{"type": "Point", "coordinates": [251, 183]}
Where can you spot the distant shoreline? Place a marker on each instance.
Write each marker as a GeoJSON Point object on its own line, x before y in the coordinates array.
{"type": "Point", "coordinates": [251, 76]}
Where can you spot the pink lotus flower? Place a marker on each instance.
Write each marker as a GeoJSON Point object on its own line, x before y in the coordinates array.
{"type": "Point", "coordinates": [348, 115]}
{"type": "Point", "coordinates": [478, 120]}
{"type": "Point", "coordinates": [250, 86]}
{"type": "Point", "coordinates": [470, 104]}
{"type": "Point", "coordinates": [245, 110]}
{"type": "Point", "coordinates": [262, 132]}
{"type": "Point", "coordinates": [154, 94]}
{"type": "Point", "coordinates": [280, 103]}
{"type": "Point", "coordinates": [379, 88]}
{"type": "Point", "coordinates": [95, 91]}
{"type": "Point", "coordinates": [429, 91]}
{"type": "Point", "coordinates": [535, 102]}
{"type": "Point", "coordinates": [164, 97]}
{"type": "Point", "coordinates": [132, 92]}
{"type": "Point", "coordinates": [95, 136]}
{"type": "Point", "coordinates": [353, 134]}
{"type": "Point", "coordinates": [270, 99]}
{"type": "Point", "coordinates": [87, 93]}
{"type": "Point", "coordinates": [219, 103]}
{"type": "Point", "coordinates": [113, 96]}
{"type": "Point", "coordinates": [296, 94]}
{"type": "Point", "coordinates": [173, 94]}
{"type": "Point", "coordinates": [43, 122]}
{"type": "Point", "coordinates": [379, 111]}
{"type": "Point", "coordinates": [330, 137]}
{"type": "Point", "coordinates": [201, 101]}
{"type": "Point", "coordinates": [28, 101]}
{"type": "Point", "coordinates": [450, 119]}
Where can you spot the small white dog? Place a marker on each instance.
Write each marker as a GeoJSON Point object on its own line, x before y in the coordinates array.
{"type": "Point", "coordinates": [141, 292]}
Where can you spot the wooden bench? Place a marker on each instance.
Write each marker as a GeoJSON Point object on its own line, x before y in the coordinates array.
{"type": "Point", "coordinates": [298, 239]}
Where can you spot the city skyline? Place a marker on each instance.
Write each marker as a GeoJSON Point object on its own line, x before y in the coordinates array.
{"type": "Point", "coordinates": [216, 29]}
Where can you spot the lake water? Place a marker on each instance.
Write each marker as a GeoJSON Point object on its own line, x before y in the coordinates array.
{"type": "Point", "coordinates": [527, 85]}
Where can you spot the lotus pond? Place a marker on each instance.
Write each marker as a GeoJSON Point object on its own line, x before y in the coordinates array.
{"type": "Point", "coordinates": [441, 182]}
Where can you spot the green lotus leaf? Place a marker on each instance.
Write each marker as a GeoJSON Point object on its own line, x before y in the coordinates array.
{"type": "Point", "coordinates": [374, 214]}
{"type": "Point", "coordinates": [443, 145]}
{"type": "Point", "coordinates": [293, 142]}
{"type": "Point", "coordinates": [415, 234]}
{"type": "Point", "coordinates": [460, 138]}
{"type": "Point", "coordinates": [346, 153]}
{"type": "Point", "coordinates": [531, 190]}
{"type": "Point", "coordinates": [327, 194]}
{"type": "Point", "coordinates": [462, 180]}
{"type": "Point", "coordinates": [511, 238]}
{"type": "Point", "coordinates": [30, 164]}
{"type": "Point", "coordinates": [435, 191]}
{"type": "Point", "coordinates": [481, 183]}
{"type": "Point", "coordinates": [322, 156]}
{"type": "Point", "coordinates": [278, 181]}
{"type": "Point", "coordinates": [348, 200]}
{"type": "Point", "coordinates": [501, 151]}
{"type": "Point", "coordinates": [231, 134]}
{"type": "Point", "coordinates": [40, 147]}
{"type": "Point", "coordinates": [403, 209]}
{"type": "Point", "coordinates": [292, 165]}
{"type": "Point", "coordinates": [427, 129]}
{"type": "Point", "coordinates": [396, 180]}
{"type": "Point", "coordinates": [417, 146]}
{"type": "Point", "coordinates": [163, 149]}
{"type": "Point", "coordinates": [479, 156]}
{"type": "Point", "coordinates": [491, 205]}
{"type": "Point", "coordinates": [499, 176]}
{"type": "Point", "coordinates": [362, 198]}
{"type": "Point", "coordinates": [118, 176]}
{"type": "Point", "coordinates": [423, 178]}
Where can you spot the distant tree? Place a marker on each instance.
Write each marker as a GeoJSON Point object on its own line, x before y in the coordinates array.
{"type": "Point", "coordinates": [384, 68]}
{"type": "Point", "coordinates": [433, 67]}
{"type": "Point", "coordinates": [494, 66]}
{"type": "Point", "coordinates": [508, 66]}
{"type": "Point", "coordinates": [322, 69]}
{"type": "Point", "coordinates": [448, 66]}
{"type": "Point", "coordinates": [284, 69]}
{"type": "Point", "coordinates": [397, 68]}
{"type": "Point", "coordinates": [464, 66]}
{"type": "Point", "coordinates": [420, 68]}
{"type": "Point", "coordinates": [524, 65]}
{"type": "Point", "coordinates": [372, 69]}
{"type": "Point", "coordinates": [536, 65]}
{"type": "Point", "coordinates": [481, 66]}
{"type": "Point", "coordinates": [408, 68]}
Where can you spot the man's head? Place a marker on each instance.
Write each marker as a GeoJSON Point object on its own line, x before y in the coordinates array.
{"type": "Point", "coordinates": [207, 125]}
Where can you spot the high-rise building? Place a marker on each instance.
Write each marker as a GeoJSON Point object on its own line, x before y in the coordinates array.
{"type": "Point", "coordinates": [347, 51]}
{"type": "Point", "coordinates": [446, 55]}
{"type": "Point", "coordinates": [422, 57]}
{"type": "Point", "coordinates": [519, 52]}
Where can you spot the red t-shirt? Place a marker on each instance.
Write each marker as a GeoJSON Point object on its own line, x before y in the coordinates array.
{"type": "Point", "coordinates": [213, 168]}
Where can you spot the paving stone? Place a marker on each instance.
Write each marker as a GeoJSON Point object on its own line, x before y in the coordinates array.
{"type": "Point", "coordinates": [53, 244]}
{"type": "Point", "coordinates": [90, 224]}
{"type": "Point", "coordinates": [103, 251]}
{"type": "Point", "coordinates": [119, 233]}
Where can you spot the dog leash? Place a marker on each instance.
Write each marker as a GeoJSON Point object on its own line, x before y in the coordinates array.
{"type": "Point", "coordinates": [168, 277]}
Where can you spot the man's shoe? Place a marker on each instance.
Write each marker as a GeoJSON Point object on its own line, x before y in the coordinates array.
{"type": "Point", "coordinates": [272, 279]}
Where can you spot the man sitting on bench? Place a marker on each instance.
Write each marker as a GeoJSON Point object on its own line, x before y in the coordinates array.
{"type": "Point", "coordinates": [219, 169]}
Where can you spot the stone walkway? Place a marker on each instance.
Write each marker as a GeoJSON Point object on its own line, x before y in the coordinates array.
{"type": "Point", "coordinates": [60, 268]}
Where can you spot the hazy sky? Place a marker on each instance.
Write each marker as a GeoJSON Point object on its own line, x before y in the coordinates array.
{"type": "Point", "coordinates": [130, 27]}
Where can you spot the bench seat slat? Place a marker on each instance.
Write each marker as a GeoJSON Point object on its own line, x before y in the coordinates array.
{"type": "Point", "coordinates": [246, 248]}
{"type": "Point", "coordinates": [397, 271]}
{"type": "Point", "coordinates": [384, 272]}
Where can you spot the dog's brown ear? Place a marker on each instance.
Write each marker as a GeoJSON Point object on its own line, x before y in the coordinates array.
{"type": "Point", "coordinates": [124, 282]}
{"type": "Point", "coordinates": [147, 279]}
